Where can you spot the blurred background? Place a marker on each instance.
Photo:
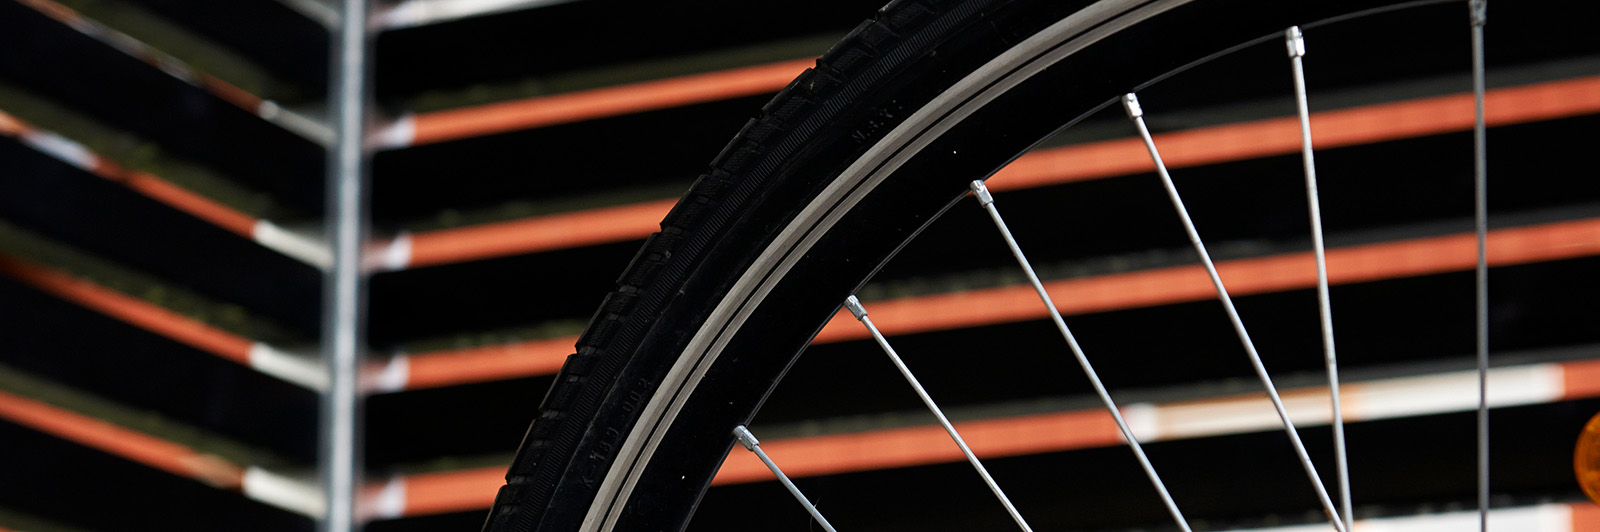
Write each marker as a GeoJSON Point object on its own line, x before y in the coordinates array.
{"type": "Point", "coordinates": [162, 255]}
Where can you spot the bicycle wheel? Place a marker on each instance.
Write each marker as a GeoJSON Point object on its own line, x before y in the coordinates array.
{"type": "Point", "coordinates": [842, 168]}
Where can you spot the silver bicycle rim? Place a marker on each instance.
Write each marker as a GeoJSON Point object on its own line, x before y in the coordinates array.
{"type": "Point", "coordinates": [1059, 41]}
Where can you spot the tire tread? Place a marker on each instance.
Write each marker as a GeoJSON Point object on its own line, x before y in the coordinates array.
{"type": "Point", "coordinates": [551, 431]}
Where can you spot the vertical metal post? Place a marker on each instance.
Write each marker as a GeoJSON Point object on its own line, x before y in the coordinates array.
{"type": "Point", "coordinates": [344, 284]}
{"type": "Point", "coordinates": [1481, 221]}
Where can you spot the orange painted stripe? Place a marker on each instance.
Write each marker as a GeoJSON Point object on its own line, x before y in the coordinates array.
{"type": "Point", "coordinates": [833, 454]}
{"type": "Point", "coordinates": [1279, 136]}
{"type": "Point", "coordinates": [10, 126]}
{"type": "Point", "coordinates": [904, 447]}
{"type": "Point", "coordinates": [133, 311]}
{"type": "Point", "coordinates": [135, 446]}
{"type": "Point", "coordinates": [232, 94]}
{"type": "Point", "coordinates": [471, 489]}
{"type": "Point", "coordinates": [148, 54]}
{"type": "Point", "coordinates": [1083, 162]}
{"type": "Point", "coordinates": [179, 198]}
{"type": "Point", "coordinates": [1585, 517]}
{"type": "Point", "coordinates": [1179, 284]}
{"type": "Point", "coordinates": [991, 438]}
{"type": "Point", "coordinates": [1085, 295]}
{"type": "Point", "coordinates": [153, 187]}
{"type": "Point", "coordinates": [1580, 379]}
{"type": "Point", "coordinates": [542, 233]}
{"type": "Point", "coordinates": [543, 111]}
{"type": "Point", "coordinates": [452, 491]}
{"type": "Point", "coordinates": [53, 10]}
{"type": "Point", "coordinates": [521, 359]}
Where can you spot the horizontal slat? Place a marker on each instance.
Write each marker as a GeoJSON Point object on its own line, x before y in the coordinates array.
{"type": "Point", "coordinates": [129, 309]}
{"type": "Point", "coordinates": [278, 489]}
{"type": "Point", "coordinates": [1159, 422]}
{"type": "Point", "coordinates": [155, 319]}
{"type": "Point", "coordinates": [529, 235]}
{"type": "Point", "coordinates": [473, 489]}
{"type": "Point", "coordinates": [76, 61]}
{"type": "Point", "coordinates": [537, 44]}
{"type": "Point", "coordinates": [477, 364]}
{"type": "Point", "coordinates": [997, 437]}
{"type": "Point", "coordinates": [59, 190]}
{"type": "Point", "coordinates": [59, 340]}
{"type": "Point", "coordinates": [167, 193]}
{"type": "Point", "coordinates": [413, 13]}
{"type": "Point", "coordinates": [1162, 286]}
{"type": "Point", "coordinates": [48, 480]}
{"type": "Point", "coordinates": [264, 109]}
{"type": "Point", "coordinates": [132, 445]}
{"type": "Point", "coordinates": [278, 34]}
{"type": "Point", "coordinates": [78, 155]}
{"type": "Point", "coordinates": [1054, 166]}
{"type": "Point", "coordinates": [1329, 129]}
{"type": "Point", "coordinates": [489, 119]}
{"type": "Point", "coordinates": [1572, 517]}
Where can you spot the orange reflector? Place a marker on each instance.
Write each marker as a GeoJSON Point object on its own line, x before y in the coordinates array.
{"type": "Point", "coordinates": [1586, 459]}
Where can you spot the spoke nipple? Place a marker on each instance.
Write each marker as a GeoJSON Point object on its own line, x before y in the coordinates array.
{"type": "Point", "coordinates": [746, 438]}
{"type": "Point", "coordinates": [1131, 104]}
{"type": "Point", "coordinates": [855, 307]}
{"type": "Point", "coordinates": [982, 192]}
{"type": "Point", "coordinates": [1480, 11]}
{"type": "Point", "coordinates": [1296, 42]}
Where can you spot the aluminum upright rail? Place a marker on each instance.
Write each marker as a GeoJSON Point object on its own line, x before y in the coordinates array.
{"type": "Point", "coordinates": [344, 283]}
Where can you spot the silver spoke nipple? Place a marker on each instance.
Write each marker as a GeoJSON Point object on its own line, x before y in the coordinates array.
{"type": "Point", "coordinates": [1131, 104]}
{"type": "Point", "coordinates": [855, 307]}
{"type": "Point", "coordinates": [746, 438]}
{"type": "Point", "coordinates": [754, 446]}
{"type": "Point", "coordinates": [982, 192]}
{"type": "Point", "coordinates": [1480, 12]}
{"type": "Point", "coordinates": [1296, 42]}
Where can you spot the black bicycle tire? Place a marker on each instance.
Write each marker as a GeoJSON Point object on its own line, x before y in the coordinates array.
{"type": "Point", "coordinates": [826, 118]}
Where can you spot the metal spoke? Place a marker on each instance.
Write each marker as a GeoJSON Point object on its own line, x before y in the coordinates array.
{"type": "Point", "coordinates": [1297, 51]}
{"type": "Point", "coordinates": [753, 445]}
{"type": "Point", "coordinates": [987, 201]}
{"type": "Point", "coordinates": [1131, 105]}
{"type": "Point", "coordinates": [861, 315]}
{"type": "Point", "coordinates": [1481, 219]}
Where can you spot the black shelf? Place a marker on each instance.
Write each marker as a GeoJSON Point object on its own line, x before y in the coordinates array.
{"type": "Point", "coordinates": [87, 350]}
{"type": "Point", "coordinates": [269, 31]}
{"type": "Point", "coordinates": [91, 212]}
{"type": "Point", "coordinates": [127, 495]}
{"type": "Point", "coordinates": [57, 61]}
{"type": "Point", "coordinates": [537, 42]}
